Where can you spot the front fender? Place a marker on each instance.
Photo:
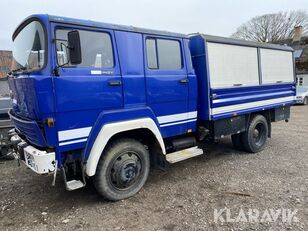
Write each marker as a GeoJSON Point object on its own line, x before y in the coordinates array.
{"type": "Point", "coordinates": [110, 123]}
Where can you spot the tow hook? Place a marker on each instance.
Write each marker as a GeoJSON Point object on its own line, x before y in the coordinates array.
{"type": "Point", "coordinates": [55, 174]}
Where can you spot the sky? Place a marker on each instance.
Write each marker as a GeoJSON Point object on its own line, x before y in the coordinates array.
{"type": "Point", "coordinates": [215, 17]}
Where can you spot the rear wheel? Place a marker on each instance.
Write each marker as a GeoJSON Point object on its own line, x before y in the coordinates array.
{"type": "Point", "coordinates": [122, 170]}
{"type": "Point", "coordinates": [255, 138]}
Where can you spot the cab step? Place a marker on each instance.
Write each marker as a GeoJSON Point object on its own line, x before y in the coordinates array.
{"type": "Point", "coordinates": [74, 184]}
{"type": "Point", "coordinates": [183, 154]}
{"type": "Point", "coordinates": [74, 179]}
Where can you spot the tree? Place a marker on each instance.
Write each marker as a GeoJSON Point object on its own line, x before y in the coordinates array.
{"type": "Point", "coordinates": [272, 27]}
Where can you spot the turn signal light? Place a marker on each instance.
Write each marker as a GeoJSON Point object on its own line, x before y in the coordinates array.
{"type": "Point", "coordinates": [50, 122]}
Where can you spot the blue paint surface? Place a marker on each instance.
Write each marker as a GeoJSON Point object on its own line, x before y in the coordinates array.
{"type": "Point", "coordinates": [78, 99]}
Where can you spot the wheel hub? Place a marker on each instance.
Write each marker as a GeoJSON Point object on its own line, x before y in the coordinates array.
{"type": "Point", "coordinates": [125, 170]}
{"type": "Point", "coordinates": [256, 133]}
{"type": "Point", "coordinates": [128, 172]}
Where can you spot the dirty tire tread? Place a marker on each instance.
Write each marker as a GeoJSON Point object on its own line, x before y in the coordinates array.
{"type": "Point", "coordinates": [246, 139]}
{"type": "Point", "coordinates": [113, 149]}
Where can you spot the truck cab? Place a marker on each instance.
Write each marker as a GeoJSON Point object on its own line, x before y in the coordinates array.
{"type": "Point", "coordinates": [105, 101]}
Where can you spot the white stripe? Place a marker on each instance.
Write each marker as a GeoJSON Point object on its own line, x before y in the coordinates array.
{"type": "Point", "coordinates": [192, 115]}
{"type": "Point", "coordinates": [73, 142]}
{"type": "Point", "coordinates": [177, 117]}
{"type": "Point", "coordinates": [74, 133]}
{"type": "Point", "coordinates": [242, 106]}
{"type": "Point", "coordinates": [181, 122]}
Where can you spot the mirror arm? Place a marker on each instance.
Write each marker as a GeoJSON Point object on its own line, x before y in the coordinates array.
{"type": "Point", "coordinates": [55, 40]}
{"type": "Point", "coordinates": [56, 71]}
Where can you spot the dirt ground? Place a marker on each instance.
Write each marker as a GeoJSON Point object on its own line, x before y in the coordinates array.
{"type": "Point", "coordinates": [182, 197]}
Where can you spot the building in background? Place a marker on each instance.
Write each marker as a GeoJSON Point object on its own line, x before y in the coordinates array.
{"type": "Point", "coordinates": [5, 62]}
{"type": "Point", "coordinates": [5, 66]}
{"type": "Point", "coordinates": [300, 45]}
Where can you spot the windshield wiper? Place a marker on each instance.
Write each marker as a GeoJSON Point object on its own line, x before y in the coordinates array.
{"type": "Point", "coordinates": [17, 70]}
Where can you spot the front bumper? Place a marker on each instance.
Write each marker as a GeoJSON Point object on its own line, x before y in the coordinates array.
{"type": "Point", "coordinates": [39, 161]}
{"type": "Point", "coordinates": [299, 101]}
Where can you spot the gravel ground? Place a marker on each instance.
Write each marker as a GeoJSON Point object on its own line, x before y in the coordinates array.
{"type": "Point", "coordinates": [182, 197]}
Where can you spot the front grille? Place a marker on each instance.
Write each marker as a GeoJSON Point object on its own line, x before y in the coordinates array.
{"type": "Point", "coordinates": [29, 129]}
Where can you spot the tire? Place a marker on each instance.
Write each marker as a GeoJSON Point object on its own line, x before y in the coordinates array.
{"type": "Point", "coordinates": [306, 101]}
{"type": "Point", "coordinates": [6, 154]}
{"type": "Point", "coordinates": [122, 170]}
{"type": "Point", "coordinates": [255, 138]}
{"type": "Point", "coordinates": [237, 141]}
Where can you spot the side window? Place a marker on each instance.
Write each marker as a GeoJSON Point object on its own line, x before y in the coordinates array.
{"type": "Point", "coordinates": [300, 82]}
{"type": "Point", "coordinates": [169, 54]}
{"type": "Point", "coordinates": [96, 49]}
{"type": "Point", "coordinates": [163, 54]}
{"type": "Point", "coordinates": [151, 53]}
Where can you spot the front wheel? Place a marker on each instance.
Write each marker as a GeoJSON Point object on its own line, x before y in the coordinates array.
{"type": "Point", "coordinates": [122, 170]}
{"type": "Point", "coordinates": [255, 138]}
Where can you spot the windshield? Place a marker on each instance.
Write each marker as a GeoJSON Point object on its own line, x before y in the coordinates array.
{"type": "Point", "coordinates": [29, 48]}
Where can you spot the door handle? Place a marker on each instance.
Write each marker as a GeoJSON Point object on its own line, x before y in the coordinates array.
{"type": "Point", "coordinates": [114, 83]}
{"type": "Point", "coordinates": [184, 81]}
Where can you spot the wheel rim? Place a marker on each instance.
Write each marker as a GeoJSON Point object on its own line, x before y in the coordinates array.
{"type": "Point", "coordinates": [125, 170]}
{"type": "Point", "coordinates": [259, 134]}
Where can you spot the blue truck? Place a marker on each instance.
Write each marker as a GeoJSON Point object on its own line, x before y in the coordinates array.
{"type": "Point", "coordinates": [103, 101]}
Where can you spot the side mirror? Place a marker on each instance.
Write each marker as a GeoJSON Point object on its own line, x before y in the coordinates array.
{"type": "Point", "coordinates": [74, 47]}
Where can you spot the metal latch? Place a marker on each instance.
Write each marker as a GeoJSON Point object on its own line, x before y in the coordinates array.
{"type": "Point", "coordinates": [214, 96]}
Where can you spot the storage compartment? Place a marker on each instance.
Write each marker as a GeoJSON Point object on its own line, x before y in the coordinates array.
{"type": "Point", "coordinates": [229, 126]}
{"type": "Point", "coordinates": [277, 66]}
{"type": "Point", "coordinates": [237, 77]}
{"type": "Point", "coordinates": [282, 113]}
{"type": "Point", "coordinates": [232, 66]}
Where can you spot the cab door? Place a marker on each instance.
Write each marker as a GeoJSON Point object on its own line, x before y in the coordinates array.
{"type": "Point", "coordinates": [83, 91]}
{"type": "Point", "coordinates": [167, 83]}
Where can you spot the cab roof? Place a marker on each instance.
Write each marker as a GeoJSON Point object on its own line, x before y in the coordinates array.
{"type": "Point", "coordinates": [90, 23]}
{"type": "Point", "coordinates": [94, 24]}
